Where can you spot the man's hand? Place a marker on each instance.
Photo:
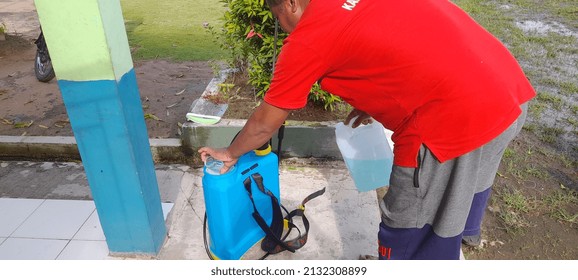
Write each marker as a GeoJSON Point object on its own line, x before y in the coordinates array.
{"type": "Point", "coordinates": [362, 118]}
{"type": "Point", "coordinates": [259, 129]}
{"type": "Point", "coordinates": [219, 154]}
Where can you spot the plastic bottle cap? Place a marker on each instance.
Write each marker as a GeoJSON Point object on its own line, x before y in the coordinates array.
{"type": "Point", "coordinates": [213, 166]}
{"type": "Point", "coordinates": [263, 152]}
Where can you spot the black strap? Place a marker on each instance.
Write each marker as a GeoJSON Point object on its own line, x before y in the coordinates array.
{"type": "Point", "coordinates": [301, 239]}
{"type": "Point", "coordinates": [273, 232]}
{"type": "Point", "coordinates": [273, 242]}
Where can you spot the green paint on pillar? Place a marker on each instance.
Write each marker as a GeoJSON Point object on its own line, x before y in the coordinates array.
{"type": "Point", "coordinates": [116, 37]}
{"type": "Point", "coordinates": [81, 51]}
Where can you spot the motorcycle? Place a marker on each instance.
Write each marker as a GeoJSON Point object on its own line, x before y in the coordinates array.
{"type": "Point", "coordinates": [42, 63]}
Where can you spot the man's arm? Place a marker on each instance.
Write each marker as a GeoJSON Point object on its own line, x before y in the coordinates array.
{"type": "Point", "coordinates": [260, 127]}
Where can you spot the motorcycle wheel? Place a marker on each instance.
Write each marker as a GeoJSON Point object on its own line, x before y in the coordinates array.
{"type": "Point", "coordinates": [43, 67]}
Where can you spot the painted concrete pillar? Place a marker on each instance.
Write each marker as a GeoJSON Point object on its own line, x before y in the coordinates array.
{"type": "Point", "coordinates": [89, 49]}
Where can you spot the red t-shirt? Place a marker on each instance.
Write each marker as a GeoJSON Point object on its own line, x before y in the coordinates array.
{"type": "Point", "coordinates": [424, 69]}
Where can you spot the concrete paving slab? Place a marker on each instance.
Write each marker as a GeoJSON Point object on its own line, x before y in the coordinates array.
{"type": "Point", "coordinates": [67, 180]}
{"type": "Point", "coordinates": [344, 222]}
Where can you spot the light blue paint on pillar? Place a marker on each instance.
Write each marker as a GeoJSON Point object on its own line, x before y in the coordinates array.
{"type": "Point", "coordinates": [107, 119]}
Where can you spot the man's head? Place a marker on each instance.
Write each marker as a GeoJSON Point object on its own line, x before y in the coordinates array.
{"type": "Point", "coordinates": [288, 12]}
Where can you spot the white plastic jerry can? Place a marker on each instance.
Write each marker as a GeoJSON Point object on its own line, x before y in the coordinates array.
{"type": "Point", "coordinates": [367, 154]}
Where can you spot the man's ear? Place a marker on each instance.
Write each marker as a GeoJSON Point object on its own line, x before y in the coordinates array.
{"type": "Point", "coordinates": [293, 6]}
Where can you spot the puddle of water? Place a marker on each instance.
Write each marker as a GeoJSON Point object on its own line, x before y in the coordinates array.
{"type": "Point", "coordinates": [560, 67]}
{"type": "Point", "coordinates": [543, 28]}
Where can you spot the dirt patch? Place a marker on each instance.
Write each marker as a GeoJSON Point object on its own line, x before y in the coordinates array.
{"type": "Point", "coordinates": [533, 211]}
{"type": "Point", "coordinates": [30, 107]}
{"type": "Point", "coordinates": [242, 101]}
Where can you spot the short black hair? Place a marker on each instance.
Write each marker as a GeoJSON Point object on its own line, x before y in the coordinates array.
{"type": "Point", "coordinates": [273, 3]}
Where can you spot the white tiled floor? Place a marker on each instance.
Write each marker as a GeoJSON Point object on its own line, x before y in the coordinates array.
{"type": "Point", "coordinates": [55, 219]}
{"type": "Point", "coordinates": [13, 212]}
{"type": "Point", "coordinates": [39, 229]}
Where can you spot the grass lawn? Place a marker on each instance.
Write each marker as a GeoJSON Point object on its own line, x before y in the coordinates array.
{"type": "Point", "coordinates": [172, 29]}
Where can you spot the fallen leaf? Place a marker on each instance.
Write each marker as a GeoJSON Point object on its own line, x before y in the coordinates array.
{"type": "Point", "coordinates": [61, 123]}
{"type": "Point", "coordinates": [173, 105]}
{"type": "Point", "coordinates": [42, 126]}
{"type": "Point", "coordinates": [9, 122]}
{"type": "Point", "coordinates": [494, 243]}
{"type": "Point", "coordinates": [23, 124]}
{"type": "Point", "coordinates": [151, 116]}
{"type": "Point", "coordinates": [24, 133]}
{"type": "Point", "coordinates": [180, 92]}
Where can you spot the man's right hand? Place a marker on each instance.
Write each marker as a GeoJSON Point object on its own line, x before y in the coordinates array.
{"type": "Point", "coordinates": [362, 118]}
{"type": "Point", "coordinates": [221, 154]}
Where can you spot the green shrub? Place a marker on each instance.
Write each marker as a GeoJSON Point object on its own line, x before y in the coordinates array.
{"type": "Point", "coordinates": [248, 34]}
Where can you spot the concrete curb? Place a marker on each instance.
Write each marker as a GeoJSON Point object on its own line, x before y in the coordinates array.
{"type": "Point", "coordinates": [63, 148]}
{"type": "Point", "coordinates": [39, 148]}
{"type": "Point", "coordinates": [301, 140]}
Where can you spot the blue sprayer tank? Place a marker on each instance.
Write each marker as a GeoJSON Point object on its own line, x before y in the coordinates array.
{"type": "Point", "coordinates": [232, 229]}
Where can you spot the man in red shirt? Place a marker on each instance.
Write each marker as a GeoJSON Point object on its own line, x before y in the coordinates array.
{"type": "Point", "coordinates": [452, 94]}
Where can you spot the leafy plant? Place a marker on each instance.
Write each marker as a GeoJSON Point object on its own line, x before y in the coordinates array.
{"type": "Point", "coordinates": [248, 34]}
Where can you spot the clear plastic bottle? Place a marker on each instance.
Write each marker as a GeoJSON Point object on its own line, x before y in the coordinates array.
{"type": "Point", "coordinates": [213, 166]}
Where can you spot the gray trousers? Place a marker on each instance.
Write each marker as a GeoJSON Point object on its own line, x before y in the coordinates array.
{"type": "Point", "coordinates": [440, 194]}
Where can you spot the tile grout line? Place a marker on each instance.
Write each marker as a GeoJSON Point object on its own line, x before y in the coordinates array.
{"type": "Point", "coordinates": [78, 230]}
{"type": "Point", "coordinates": [72, 238]}
{"type": "Point", "coordinates": [41, 238]}
{"type": "Point", "coordinates": [24, 221]}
